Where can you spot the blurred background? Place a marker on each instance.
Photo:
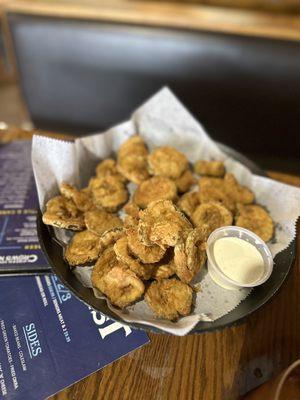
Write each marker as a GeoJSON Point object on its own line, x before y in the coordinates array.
{"type": "Point", "coordinates": [82, 66]}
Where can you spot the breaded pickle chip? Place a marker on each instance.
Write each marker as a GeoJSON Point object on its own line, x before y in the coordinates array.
{"type": "Point", "coordinates": [132, 160]}
{"type": "Point", "coordinates": [162, 223]}
{"type": "Point", "coordinates": [106, 261]}
{"type": "Point", "coordinates": [212, 214]}
{"type": "Point", "coordinates": [213, 189]}
{"type": "Point", "coordinates": [155, 188]}
{"type": "Point", "coordinates": [83, 248]}
{"type": "Point", "coordinates": [169, 298]}
{"type": "Point", "coordinates": [121, 286]}
{"type": "Point", "coordinates": [143, 271]}
{"type": "Point", "coordinates": [108, 193]}
{"type": "Point", "coordinates": [167, 161]}
{"type": "Point", "coordinates": [239, 193]}
{"type": "Point", "coordinates": [188, 203]}
{"type": "Point", "coordinates": [210, 168]}
{"type": "Point", "coordinates": [147, 254]}
{"type": "Point", "coordinates": [256, 219]}
{"type": "Point", "coordinates": [63, 213]}
{"type": "Point", "coordinates": [185, 181]}
{"type": "Point", "coordinates": [81, 198]}
{"type": "Point", "coordinates": [190, 256]}
{"type": "Point", "coordinates": [110, 237]}
{"type": "Point", "coordinates": [99, 221]}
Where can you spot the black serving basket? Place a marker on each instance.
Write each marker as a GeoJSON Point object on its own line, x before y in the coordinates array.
{"type": "Point", "coordinates": [257, 298]}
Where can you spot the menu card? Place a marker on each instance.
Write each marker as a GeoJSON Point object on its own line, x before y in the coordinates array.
{"type": "Point", "coordinates": [19, 246]}
{"type": "Point", "coordinates": [50, 340]}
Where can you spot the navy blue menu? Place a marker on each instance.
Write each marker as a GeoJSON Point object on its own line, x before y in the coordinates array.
{"type": "Point", "coordinates": [19, 245]}
{"type": "Point", "coordinates": [49, 339]}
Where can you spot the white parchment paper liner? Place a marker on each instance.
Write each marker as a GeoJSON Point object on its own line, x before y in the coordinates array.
{"type": "Point", "coordinates": [163, 120]}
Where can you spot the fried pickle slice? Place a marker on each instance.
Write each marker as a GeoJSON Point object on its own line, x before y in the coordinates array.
{"type": "Point", "coordinates": [83, 248]}
{"type": "Point", "coordinates": [122, 252]}
{"type": "Point", "coordinates": [110, 237]}
{"type": "Point", "coordinates": [63, 213]}
{"type": "Point", "coordinates": [167, 161]}
{"type": "Point", "coordinates": [256, 219]}
{"type": "Point", "coordinates": [213, 214]}
{"type": "Point", "coordinates": [121, 286]}
{"type": "Point", "coordinates": [165, 268]}
{"type": "Point", "coordinates": [132, 209]}
{"type": "Point", "coordinates": [162, 223]}
{"type": "Point", "coordinates": [213, 189]}
{"type": "Point", "coordinates": [106, 261]}
{"type": "Point", "coordinates": [81, 198]}
{"type": "Point", "coordinates": [108, 192]}
{"type": "Point", "coordinates": [185, 181]}
{"type": "Point", "coordinates": [99, 221]}
{"type": "Point", "coordinates": [132, 160]}
{"type": "Point", "coordinates": [155, 188]}
{"type": "Point", "coordinates": [188, 203]}
{"type": "Point", "coordinates": [146, 254]}
{"type": "Point", "coordinates": [210, 168]}
{"type": "Point", "coordinates": [169, 298]}
{"type": "Point", "coordinates": [108, 167]}
{"type": "Point", "coordinates": [237, 192]}
{"type": "Point", "coordinates": [190, 256]}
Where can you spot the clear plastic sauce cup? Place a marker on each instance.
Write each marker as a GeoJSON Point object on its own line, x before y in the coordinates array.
{"type": "Point", "coordinates": [234, 231]}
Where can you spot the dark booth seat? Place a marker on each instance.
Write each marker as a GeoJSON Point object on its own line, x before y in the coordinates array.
{"type": "Point", "coordinates": [82, 76]}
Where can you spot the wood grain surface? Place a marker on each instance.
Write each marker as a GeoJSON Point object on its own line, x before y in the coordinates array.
{"type": "Point", "coordinates": [165, 13]}
{"type": "Point", "coordinates": [214, 366]}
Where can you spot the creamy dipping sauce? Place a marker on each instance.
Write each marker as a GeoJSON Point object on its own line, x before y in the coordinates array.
{"type": "Point", "coordinates": [238, 260]}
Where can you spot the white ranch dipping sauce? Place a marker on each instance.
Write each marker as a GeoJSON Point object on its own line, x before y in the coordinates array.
{"type": "Point", "coordinates": [238, 260]}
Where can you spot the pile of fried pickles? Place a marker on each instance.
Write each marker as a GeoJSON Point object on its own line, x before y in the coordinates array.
{"type": "Point", "coordinates": [157, 245]}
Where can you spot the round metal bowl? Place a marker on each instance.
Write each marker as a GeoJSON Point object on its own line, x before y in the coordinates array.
{"type": "Point", "coordinates": [258, 297]}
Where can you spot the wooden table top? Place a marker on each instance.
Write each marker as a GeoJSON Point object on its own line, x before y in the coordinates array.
{"type": "Point", "coordinates": [212, 366]}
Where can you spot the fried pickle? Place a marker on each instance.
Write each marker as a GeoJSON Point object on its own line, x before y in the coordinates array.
{"type": "Point", "coordinates": [110, 237]}
{"type": "Point", "coordinates": [99, 221]}
{"type": "Point", "coordinates": [108, 167]}
{"type": "Point", "coordinates": [213, 189]}
{"type": "Point", "coordinates": [108, 192]}
{"type": "Point", "coordinates": [83, 248]}
{"type": "Point", "coordinates": [210, 168]}
{"type": "Point", "coordinates": [147, 254]}
{"type": "Point", "coordinates": [132, 160]}
{"type": "Point", "coordinates": [106, 261]}
{"type": "Point", "coordinates": [238, 193]}
{"type": "Point", "coordinates": [63, 213]}
{"type": "Point", "coordinates": [167, 161]}
{"type": "Point", "coordinates": [121, 286]}
{"type": "Point", "coordinates": [143, 271]}
{"type": "Point", "coordinates": [188, 203]}
{"type": "Point", "coordinates": [185, 181]}
{"type": "Point", "coordinates": [169, 298]}
{"type": "Point", "coordinates": [256, 219]}
{"type": "Point", "coordinates": [81, 198]}
{"type": "Point", "coordinates": [213, 214]}
{"type": "Point", "coordinates": [155, 188]}
{"type": "Point", "coordinates": [190, 256]}
{"type": "Point", "coordinates": [162, 223]}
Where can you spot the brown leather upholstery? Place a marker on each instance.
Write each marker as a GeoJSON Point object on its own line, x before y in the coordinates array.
{"type": "Point", "coordinates": [82, 76]}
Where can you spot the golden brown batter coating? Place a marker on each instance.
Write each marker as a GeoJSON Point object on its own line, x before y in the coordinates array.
{"type": "Point", "coordinates": [155, 188]}
{"type": "Point", "coordinates": [83, 248]}
{"type": "Point", "coordinates": [169, 298]}
{"type": "Point", "coordinates": [146, 254]}
{"type": "Point", "coordinates": [210, 168]}
{"type": "Point", "coordinates": [256, 219]}
{"type": "Point", "coordinates": [212, 214]}
{"type": "Point", "coordinates": [63, 213]}
{"type": "Point", "coordinates": [99, 221]}
{"type": "Point", "coordinates": [167, 161]}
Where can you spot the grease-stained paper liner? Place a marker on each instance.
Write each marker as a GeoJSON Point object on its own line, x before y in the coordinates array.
{"type": "Point", "coordinates": [163, 120]}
